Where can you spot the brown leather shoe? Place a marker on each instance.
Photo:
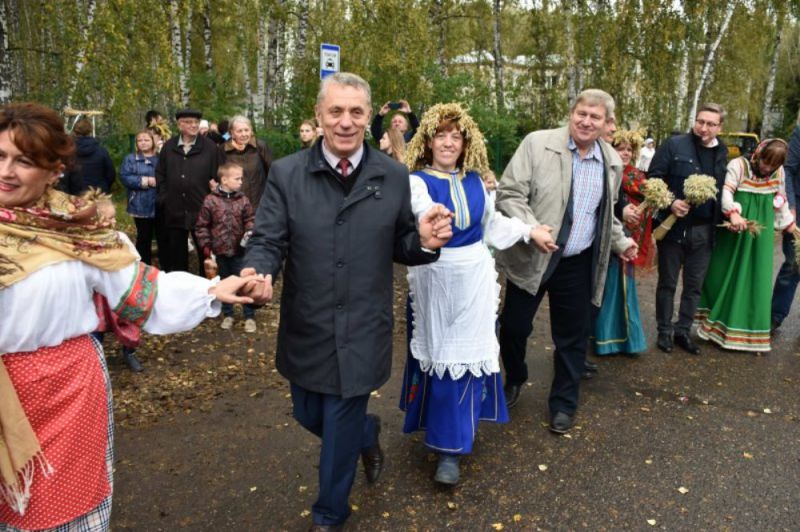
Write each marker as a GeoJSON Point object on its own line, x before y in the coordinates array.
{"type": "Point", "coordinates": [372, 458]}
{"type": "Point", "coordinates": [325, 528]}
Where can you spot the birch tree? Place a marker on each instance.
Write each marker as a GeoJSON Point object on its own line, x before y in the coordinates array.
{"type": "Point", "coordinates": [766, 113]}
{"type": "Point", "coordinates": [177, 51]}
{"type": "Point", "coordinates": [80, 55]}
{"type": "Point", "coordinates": [708, 61]}
{"type": "Point", "coordinates": [499, 85]}
{"type": "Point", "coordinates": [6, 66]}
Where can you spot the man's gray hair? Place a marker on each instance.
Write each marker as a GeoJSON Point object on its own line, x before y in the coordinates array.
{"type": "Point", "coordinates": [344, 78]}
{"type": "Point", "coordinates": [713, 108]}
{"type": "Point", "coordinates": [595, 97]}
{"type": "Point", "coordinates": [239, 118]}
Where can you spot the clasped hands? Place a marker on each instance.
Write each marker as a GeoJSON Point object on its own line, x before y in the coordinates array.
{"type": "Point", "coordinates": [542, 238]}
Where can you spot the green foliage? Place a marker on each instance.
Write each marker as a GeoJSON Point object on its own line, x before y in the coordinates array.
{"type": "Point", "coordinates": [424, 51]}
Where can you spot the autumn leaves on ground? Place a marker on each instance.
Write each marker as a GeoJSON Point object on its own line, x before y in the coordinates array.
{"type": "Point", "coordinates": [205, 441]}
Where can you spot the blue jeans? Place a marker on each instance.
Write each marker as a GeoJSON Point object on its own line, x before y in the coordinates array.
{"type": "Point", "coordinates": [785, 283]}
{"type": "Point", "coordinates": [232, 266]}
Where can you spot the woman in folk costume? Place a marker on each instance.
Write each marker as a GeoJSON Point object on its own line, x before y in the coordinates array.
{"type": "Point", "coordinates": [452, 375]}
{"type": "Point", "coordinates": [56, 250]}
{"type": "Point", "coordinates": [618, 328]}
{"type": "Point", "coordinates": [735, 302]}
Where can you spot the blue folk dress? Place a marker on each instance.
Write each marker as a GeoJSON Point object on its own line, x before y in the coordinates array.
{"type": "Point", "coordinates": [452, 376]}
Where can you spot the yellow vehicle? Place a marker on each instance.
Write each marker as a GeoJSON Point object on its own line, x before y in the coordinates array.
{"type": "Point", "coordinates": [740, 144]}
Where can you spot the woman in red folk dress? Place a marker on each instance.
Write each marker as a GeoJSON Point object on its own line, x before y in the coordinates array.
{"type": "Point", "coordinates": [56, 250]}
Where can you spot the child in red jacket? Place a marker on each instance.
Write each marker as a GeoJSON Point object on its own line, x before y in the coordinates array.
{"type": "Point", "coordinates": [223, 226]}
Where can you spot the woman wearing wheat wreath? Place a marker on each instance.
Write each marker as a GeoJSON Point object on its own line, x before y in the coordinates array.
{"type": "Point", "coordinates": [734, 310]}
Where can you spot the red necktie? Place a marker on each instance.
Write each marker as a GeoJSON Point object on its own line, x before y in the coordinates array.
{"type": "Point", "coordinates": [344, 167]}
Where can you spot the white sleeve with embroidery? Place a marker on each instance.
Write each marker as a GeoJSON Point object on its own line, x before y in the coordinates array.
{"type": "Point", "coordinates": [784, 219]}
{"type": "Point", "coordinates": [182, 300]}
{"type": "Point", "coordinates": [499, 231]}
{"type": "Point", "coordinates": [733, 177]}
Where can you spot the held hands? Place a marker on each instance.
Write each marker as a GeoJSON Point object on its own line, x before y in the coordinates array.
{"type": "Point", "coordinates": [228, 289]}
{"type": "Point", "coordinates": [630, 215]}
{"type": "Point", "coordinates": [259, 288]}
{"type": "Point", "coordinates": [679, 208]}
{"type": "Point", "coordinates": [738, 224]}
{"type": "Point", "coordinates": [542, 238]}
{"type": "Point", "coordinates": [435, 227]}
{"type": "Point", "coordinates": [630, 253]}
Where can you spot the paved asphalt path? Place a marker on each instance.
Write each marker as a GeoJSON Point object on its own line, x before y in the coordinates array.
{"type": "Point", "coordinates": [665, 441]}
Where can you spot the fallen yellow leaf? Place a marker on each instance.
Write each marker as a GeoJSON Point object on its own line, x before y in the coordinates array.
{"type": "Point", "coordinates": [305, 513]}
{"type": "Point", "coordinates": [748, 456]}
{"type": "Point", "coordinates": [517, 518]}
{"type": "Point", "coordinates": [253, 488]}
{"type": "Point", "coordinates": [452, 505]}
{"type": "Point", "coordinates": [497, 526]}
{"type": "Point", "coordinates": [651, 522]}
{"type": "Point", "coordinates": [683, 490]}
{"type": "Point", "coordinates": [542, 467]}
{"type": "Point", "coordinates": [385, 514]}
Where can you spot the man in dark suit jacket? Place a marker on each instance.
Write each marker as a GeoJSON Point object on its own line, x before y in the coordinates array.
{"type": "Point", "coordinates": [334, 217]}
{"type": "Point", "coordinates": [687, 246]}
{"type": "Point", "coordinates": [186, 164]}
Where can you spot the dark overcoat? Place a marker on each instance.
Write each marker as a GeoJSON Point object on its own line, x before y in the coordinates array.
{"type": "Point", "coordinates": [335, 332]}
{"type": "Point", "coordinates": [182, 181]}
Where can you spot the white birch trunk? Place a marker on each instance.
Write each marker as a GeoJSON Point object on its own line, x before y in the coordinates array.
{"type": "Point", "coordinates": [302, 31]}
{"type": "Point", "coordinates": [177, 50]}
{"type": "Point", "coordinates": [261, 69]}
{"type": "Point", "coordinates": [187, 54]}
{"type": "Point", "coordinates": [499, 85]}
{"type": "Point", "coordinates": [275, 34]}
{"type": "Point", "coordinates": [6, 66]}
{"type": "Point", "coordinates": [708, 62]}
{"type": "Point", "coordinates": [83, 40]}
{"type": "Point", "coordinates": [683, 89]}
{"type": "Point", "coordinates": [207, 49]}
{"type": "Point", "coordinates": [766, 112]}
{"type": "Point", "coordinates": [573, 69]}
{"type": "Point", "coordinates": [438, 24]}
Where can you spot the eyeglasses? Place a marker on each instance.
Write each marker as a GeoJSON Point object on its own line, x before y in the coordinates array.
{"type": "Point", "coordinates": [702, 123]}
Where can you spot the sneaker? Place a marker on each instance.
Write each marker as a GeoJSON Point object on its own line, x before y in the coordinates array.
{"type": "Point", "coordinates": [250, 325]}
{"type": "Point", "coordinates": [447, 471]}
{"type": "Point", "coordinates": [227, 323]}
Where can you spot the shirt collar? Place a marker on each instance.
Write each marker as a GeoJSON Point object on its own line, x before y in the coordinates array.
{"type": "Point", "coordinates": [333, 160]}
{"type": "Point", "coordinates": [596, 152]}
{"type": "Point", "coordinates": [181, 143]}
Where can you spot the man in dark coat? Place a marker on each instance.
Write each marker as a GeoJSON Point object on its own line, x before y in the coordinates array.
{"type": "Point", "coordinates": [689, 243]}
{"type": "Point", "coordinates": [338, 213]}
{"type": "Point", "coordinates": [186, 165]}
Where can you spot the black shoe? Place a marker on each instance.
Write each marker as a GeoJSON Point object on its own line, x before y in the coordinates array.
{"type": "Point", "coordinates": [665, 342]}
{"type": "Point", "coordinates": [591, 366]}
{"type": "Point", "coordinates": [511, 391]}
{"type": "Point", "coordinates": [372, 458]}
{"type": "Point", "coordinates": [561, 422]}
{"type": "Point", "coordinates": [685, 342]}
{"type": "Point", "coordinates": [325, 528]}
{"type": "Point", "coordinates": [132, 362]}
{"type": "Point", "coordinates": [775, 325]}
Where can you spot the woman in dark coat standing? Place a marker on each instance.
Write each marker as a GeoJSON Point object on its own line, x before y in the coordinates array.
{"type": "Point", "coordinates": [251, 154]}
{"type": "Point", "coordinates": [94, 165]}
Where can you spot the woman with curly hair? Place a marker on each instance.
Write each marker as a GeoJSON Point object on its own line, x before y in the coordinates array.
{"type": "Point", "coordinates": [618, 328]}
{"type": "Point", "coordinates": [452, 375]}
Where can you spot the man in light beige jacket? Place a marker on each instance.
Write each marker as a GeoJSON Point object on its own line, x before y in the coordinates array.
{"type": "Point", "coordinates": [565, 183]}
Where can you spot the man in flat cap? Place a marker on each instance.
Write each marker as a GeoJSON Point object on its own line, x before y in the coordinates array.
{"type": "Point", "coordinates": [188, 161]}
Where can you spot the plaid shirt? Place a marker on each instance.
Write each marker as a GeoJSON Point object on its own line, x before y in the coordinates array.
{"type": "Point", "coordinates": [587, 191]}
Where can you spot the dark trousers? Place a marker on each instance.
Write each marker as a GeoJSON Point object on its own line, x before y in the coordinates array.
{"type": "Point", "coordinates": [145, 230]}
{"type": "Point", "coordinates": [173, 253]}
{"type": "Point", "coordinates": [693, 254]}
{"type": "Point", "coordinates": [785, 283]}
{"type": "Point", "coordinates": [233, 266]}
{"type": "Point", "coordinates": [569, 289]}
{"type": "Point", "coordinates": [345, 430]}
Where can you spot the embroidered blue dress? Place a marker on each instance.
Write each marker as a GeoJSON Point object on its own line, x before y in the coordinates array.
{"type": "Point", "coordinates": [452, 376]}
